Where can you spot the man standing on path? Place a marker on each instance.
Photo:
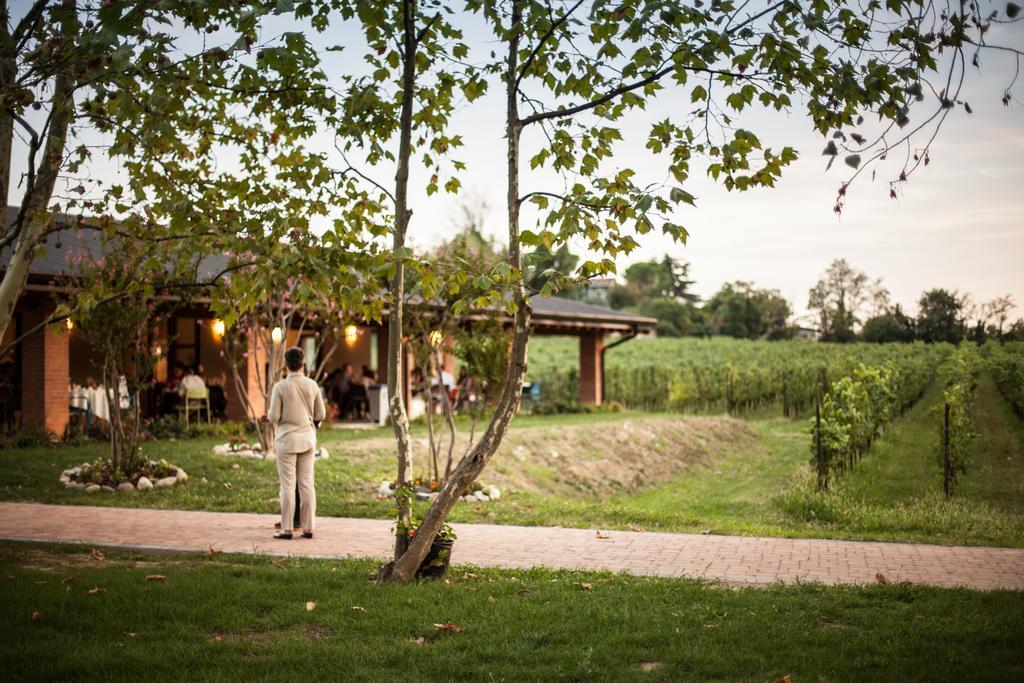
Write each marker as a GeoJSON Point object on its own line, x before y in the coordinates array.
{"type": "Point", "coordinates": [296, 410]}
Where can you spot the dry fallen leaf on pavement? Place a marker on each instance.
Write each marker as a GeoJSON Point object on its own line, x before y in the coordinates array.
{"type": "Point", "coordinates": [310, 606]}
{"type": "Point", "coordinates": [97, 589]}
{"type": "Point", "coordinates": [451, 627]}
{"type": "Point", "coordinates": [97, 555]}
{"type": "Point", "coordinates": [634, 527]}
{"type": "Point", "coordinates": [155, 577]}
{"type": "Point", "coordinates": [602, 536]}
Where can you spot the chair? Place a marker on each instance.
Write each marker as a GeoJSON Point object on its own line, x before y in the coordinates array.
{"type": "Point", "coordinates": [197, 400]}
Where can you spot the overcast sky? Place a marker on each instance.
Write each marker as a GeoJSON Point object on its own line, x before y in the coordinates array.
{"type": "Point", "coordinates": [958, 224]}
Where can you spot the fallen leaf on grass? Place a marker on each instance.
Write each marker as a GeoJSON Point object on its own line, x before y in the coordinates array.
{"type": "Point", "coordinates": [310, 606]}
{"type": "Point", "coordinates": [490, 598]}
{"type": "Point", "coordinates": [227, 484]}
{"type": "Point", "coordinates": [449, 626]}
{"type": "Point", "coordinates": [524, 591]}
{"type": "Point", "coordinates": [131, 634]}
{"type": "Point", "coordinates": [36, 616]}
{"type": "Point", "coordinates": [236, 466]}
{"type": "Point", "coordinates": [155, 577]}
{"type": "Point", "coordinates": [97, 589]}
{"type": "Point", "coordinates": [357, 608]}
{"type": "Point", "coordinates": [788, 678]}
{"type": "Point", "coordinates": [602, 536]}
{"type": "Point", "coordinates": [710, 626]}
{"type": "Point", "coordinates": [468, 575]}
{"type": "Point", "coordinates": [216, 639]}
{"type": "Point", "coordinates": [97, 555]}
{"type": "Point", "coordinates": [586, 586]}
{"type": "Point", "coordinates": [417, 640]}
{"type": "Point", "coordinates": [880, 578]}
{"type": "Point", "coordinates": [651, 666]}
{"type": "Point", "coordinates": [69, 580]}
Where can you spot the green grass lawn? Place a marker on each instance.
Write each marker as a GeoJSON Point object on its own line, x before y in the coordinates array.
{"type": "Point", "coordinates": [753, 486]}
{"type": "Point", "coordinates": [246, 619]}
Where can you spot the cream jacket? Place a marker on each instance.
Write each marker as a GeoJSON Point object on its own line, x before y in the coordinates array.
{"type": "Point", "coordinates": [295, 404]}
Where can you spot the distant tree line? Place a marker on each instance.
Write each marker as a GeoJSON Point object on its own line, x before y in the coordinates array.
{"type": "Point", "coordinates": [849, 305]}
{"type": "Point", "coordinates": [852, 307]}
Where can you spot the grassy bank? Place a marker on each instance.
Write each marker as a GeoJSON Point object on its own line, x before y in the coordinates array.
{"type": "Point", "coordinates": [243, 618]}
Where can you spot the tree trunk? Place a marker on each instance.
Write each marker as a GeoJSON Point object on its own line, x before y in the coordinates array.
{"type": "Point", "coordinates": [396, 382]}
{"type": "Point", "coordinates": [8, 71]}
{"type": "Point", "coordinates": [470, 467]}
{"type": "Point", "coordinates": [40, 189]}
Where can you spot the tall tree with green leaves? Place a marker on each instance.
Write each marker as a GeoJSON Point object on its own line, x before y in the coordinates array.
{"type": "Point", "coordinates": [579, 67]}
{"type": "Point", "coordinates": [68, 68]}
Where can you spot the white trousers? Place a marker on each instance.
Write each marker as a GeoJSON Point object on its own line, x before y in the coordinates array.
{"type": "Point", "coordinates": [292, 469]}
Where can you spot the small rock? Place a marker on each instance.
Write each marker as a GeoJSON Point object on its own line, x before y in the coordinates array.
{"type": "Point", "coordinates": [64, 478]}
{"type": "Point", "coordinates": [165, 482]}
{"type": "Point", "coordinates": [481, 496]}
{"type": "Point", "coordinates": [180, 475]}
{"type": "Point", "coordinates": [92, 488]}
{"type": "Point", "coordinates": [494, 493]}
{"type": "Point", "coordinates": [108, 489]}
{"type": "Point", "coordinates": [125, 486]}
{"type": "Point", "coordinates": [222, 449]}
{"type": "Point", "coordinates": [469, 498]}
{"type": "Point", "coordinates": [68, 484]}
{"type": "Point", "coordinates": [144, 484]}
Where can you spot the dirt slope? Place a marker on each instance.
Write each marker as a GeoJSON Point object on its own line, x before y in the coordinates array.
{"type": "Point", "coordinates": [595, 460]}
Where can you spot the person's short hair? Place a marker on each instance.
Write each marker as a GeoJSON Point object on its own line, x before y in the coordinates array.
{"type": "Point", "coordinates": [294, 358]}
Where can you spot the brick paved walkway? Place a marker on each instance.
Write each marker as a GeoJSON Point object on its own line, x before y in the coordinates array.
{"type": "Point", "coordinates": [733, 559]}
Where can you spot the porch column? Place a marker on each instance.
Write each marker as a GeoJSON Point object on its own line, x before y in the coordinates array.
{"type": "Point", "coordinates": [591, 371]}
{"type": "Point", "coordinates": [45, 372]}
{"type": "Point", "coordinates": [382, 354]}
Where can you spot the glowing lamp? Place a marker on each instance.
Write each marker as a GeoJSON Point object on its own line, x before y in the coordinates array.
{"type": "Point", "coordinates": [69, 323]}
{"type": "Point", "coordinates": [351, 332]}
{"type": "Point", "coordinates": [435, 338]}
{"type": "Point", "coordinates": [219, 327]}
{"type": "Point", "coordinates": [276, 335]}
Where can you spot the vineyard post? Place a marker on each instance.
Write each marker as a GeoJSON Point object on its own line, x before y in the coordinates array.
{"type": "Point", "coordinates": [822, 478]}
{"type": "Point", "coordinates": [945, 450]}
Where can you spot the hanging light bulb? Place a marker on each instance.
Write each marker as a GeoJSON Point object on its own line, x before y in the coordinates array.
{"type": "Point", "coordinates": [276, 335]}
{"type": "Point", "coordinates": [219, 328]}
{"type": "Point", "coordinates": [69, 323]}
{"type": "Point", "coordinates": [435, 338]}
{"type": "Point", "coordinates": [351, 333]}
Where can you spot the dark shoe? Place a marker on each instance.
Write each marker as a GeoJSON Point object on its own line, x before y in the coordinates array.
{"type": "Point", "coordinates": [284, 535]}
{"type": "Point", "coordinates": [307, 534]}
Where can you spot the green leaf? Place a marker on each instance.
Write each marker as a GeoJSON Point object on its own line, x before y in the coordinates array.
{"type": "Point", "coordinates": [853, 161]}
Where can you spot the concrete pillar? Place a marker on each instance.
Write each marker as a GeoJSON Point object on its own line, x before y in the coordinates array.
{"type": "Point", "coordinates": [591, 371]}
{"type": "Point", "coordinates": [45, 372]}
